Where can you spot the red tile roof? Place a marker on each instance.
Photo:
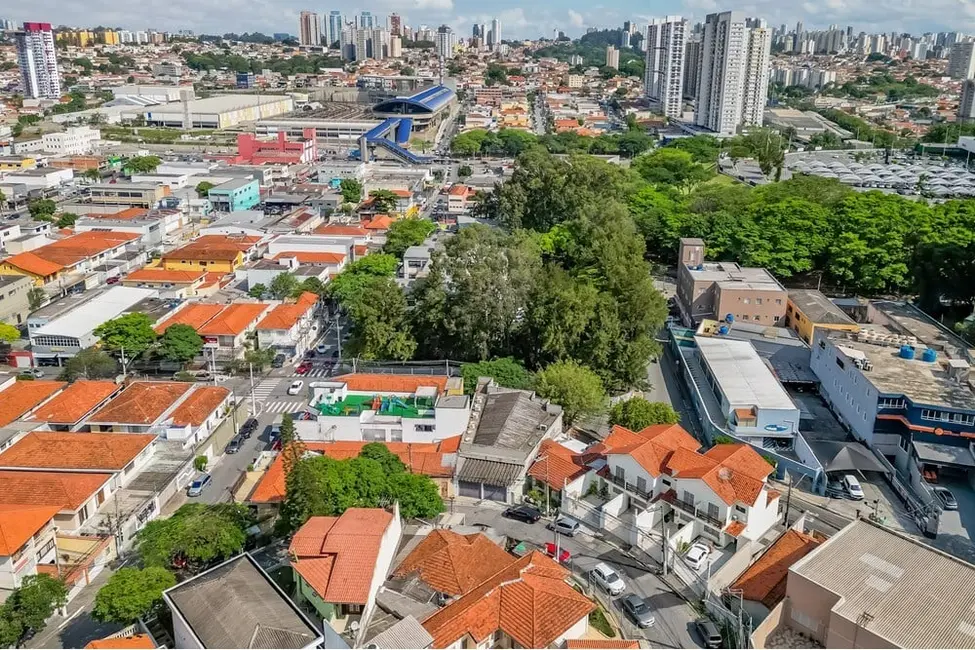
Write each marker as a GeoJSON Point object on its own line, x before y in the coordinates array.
{"type": "Point", "coordinates": [379, 222]}
{"type": "Point", "coordinates": [529, 600]}
{"type": "Point", "coordinates": [650, 447]}
{"type": "Point", "coordinates": [305, 257]}
{"type": "Point", "coordinates": [556, 465]}
{"type": "Point", "coordinates": [142, 402]}
{"type": "Point", "coordinates": [34, 264]}
{"type": "Point", "coordinates": [65, 490]}
{"type": "Point", "coordinates": [75, 401]}
{"type": "Point", "coordinates": [75, 450]}
{"type": "Point", "coordinates": [337, 556]}
{"type": "Point", "coordinates": [601, 644]}
{"type": "Point", "coordinates": [134, 642]}
{"type": "Point", "coordinates": [341, 230]}
{"type": "Point", "coordinates": [454, 564]}
{"type": "Point", "coordinates": [366, 383]}
{"type": "Point", "coordinates": [196, 315]}
{"type": "Point", "coordinates": [19, 523]}
{"type": "Point", "coordinates": [199, 405]}
{"type": "Point", "coordinates": [22, 396]}
{"type": "Point", "coordinates": [233, 320]}
{"type": "Point", "coordinates": [163, 275]}
{"type": "Point", "coordinates": [421, 458]}
{"type": "Point", "coordinates": [735, 472]}
{"type": "Point", "coordinates": [286, 316]}
{"type": "Point", "coordinates": [765, 580]}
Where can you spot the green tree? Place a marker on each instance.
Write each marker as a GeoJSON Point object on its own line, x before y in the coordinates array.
{"type": "Point", "coordinates": [578, 390]}
{"type": "Point", "coordinates": [283, 286]}
{"type": "Point", "coordinates": [36, 297]}
{"type": "Point", "coordinates": [66, 220]}
{"type": "Point", "coordinates": [180, 343]}
{"type": "Point", "coordinates": [260, 358]}
{"type": "Point", "coordinates": [383, 200]}
{"type": "Point", "coordinates": [351, 190]}
{"type": "Point", "coordinates": [41, 207]}
{"type": "Point", "coordinates": [417, 495]}
{"type": "Point", "coordinates": [8, 333]}
{"type": "Point", "coordinates": [131, 335]}
{"type": "Point", "coordinates": [90, 363]}
{"type": "Point", "coordinates": [348, 285]}
{"type": "Point", "coordinates": [203, 188]}
{"type": "Point", "coordinates": [92, 175]}
{"type": "Point", "coordinates": [506, 372]}
{"type": "Point", "coordinates": [672, 167]}
{"type": "Point", "coordinates": [638, 413]}
{"type": "Point", "coordinates": [380, 322]}
{"type": "Point", "coordinates": [703, 148]}
{"type": "Point", "coordinates": [258, 291]}
{"type": "Point", "coordinates": [380, 453]}
{"type": "Point", "coordinates": [132, 594]}
{"type": "Point", "coordinates": [142, 164]}
{"type": "Point", "coordinates": [29, 606]}
{"type": "Point", "coordinates": [405, 233]}
{"type": "Point", "coordinates": [464, 171]}
{"type": "Point", "coordinates": [197, 534]}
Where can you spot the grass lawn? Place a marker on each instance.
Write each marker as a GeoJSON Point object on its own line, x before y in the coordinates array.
{"type": "Point", "coordinates": [599, 621]}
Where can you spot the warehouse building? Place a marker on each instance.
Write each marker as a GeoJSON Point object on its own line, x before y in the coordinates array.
{"type": "Point", "coordinates": [218, 112]}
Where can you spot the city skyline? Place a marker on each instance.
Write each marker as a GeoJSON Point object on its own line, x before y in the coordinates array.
{"type": "Point", "coordinates": [518, 21]}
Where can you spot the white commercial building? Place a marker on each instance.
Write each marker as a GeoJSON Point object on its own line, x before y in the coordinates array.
{"type": "Point", "coordinates": [961, 60]}
{"type": "Point", "coordinates": [665, 45]}
{"type": "Point", "coordinates": [38, 61]}
{"type": "Point", "coordinates": [73, 141]}
{"type": "Point", "coordinates": [612, 57]}
{"type": "Point", "coordinates": [217, 112]}
{"type": "Point", "coordinates": [733, 86]}
{"type": "Point", "coordinates": [445, 42]}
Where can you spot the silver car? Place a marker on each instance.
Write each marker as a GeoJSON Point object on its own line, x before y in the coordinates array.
{"type": "Point", "coordinates": [638, 611]}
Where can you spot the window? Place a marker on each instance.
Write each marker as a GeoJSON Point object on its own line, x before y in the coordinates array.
{"type": "Point", "coordinates": [688, 497]}
{"type": "Point", "coordinates": [840, 363]}
{"type": "Point", "coordinates": [641, 484]}
{"type": "Point", "coordinates": [740, 509]}
{"type": "Point", "coordinates": [758, 301]}
{"type": "Point", "coordinates": [758, 317]}
{"type": "Point", "coordinates": [46, 548]}
{"type": "Point", "coordinates": [778, 301]}
{"type": "Point", "coordinates": [744, 317]}
{"type": "Point", "coordinates": [747, 300]}
{"type": "Point", "coordinates": [619, 472]}
{"type": "Point", "coordinates": [713, 511]}
{"type": "Point", "coordinates": [666, 481]}
{"type": "Point", "coordinates": [891, 403]}
{"type": "Point", "coordinates": [426, 428]}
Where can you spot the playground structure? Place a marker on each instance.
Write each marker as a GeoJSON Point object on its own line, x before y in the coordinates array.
{"type": "Point", "coordinates": [390, 405]}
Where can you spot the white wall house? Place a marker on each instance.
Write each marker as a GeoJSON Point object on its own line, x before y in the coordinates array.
{"type": "Point", "coordinates": [73, 141]}
{"type": "Point", "coordinates": [38, 548]}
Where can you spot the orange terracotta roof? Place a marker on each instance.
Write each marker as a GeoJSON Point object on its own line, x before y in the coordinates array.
{"type": "Point", "coordinates": [597, 644]}
{"type": "Point", "coordinates": [765, 580]}
{"type": "Point", "coordinates": [65, 490]}
{"type": "Point", "coordinates": [739, 474]}
{"type": "Point", "coordinates": [234, 319]}
{"type": "Point", "coordinates": [735, 528]}
{"type": "Point", "coordinates": [425, 458]}
{"type": "Point", "coordinates": [19, 523]}
{"type": "Point", "coordinates": [285, 316]}
{"type": "Point", "coordinates": [81, 246]}
{"type": "Point", "coordinates": [196, 315]}
{"type": "Point", "coordinates": [134, 642]}
{"type": "Point", "coordinates": [365, 382]}
{"type": "Point", "coordinates": [379, 222]}
{"type": "Point", "coordinates": [361, 250]}
{"type": "Point", "coordinates": [651, 447]}
{"type": "Point", "coordinates": [556, 465]}
{"type": "Point", "coordinates": [459, 190]}
{"type": "Point", "coordinates": [142, 402]}
{"type": "Point", "coordinates": [75, 401]}
{"type": "Point", "coordinates": [342, 553]}
{"type": "Point", "coordinates": [33, 264]}
{"type": "Point", "coordinates": [529, 600]}
{"type": "Point", "coordinates": [194, 251]}
{"type": "Point", "coordinates": [22, 396]}
{"type": "Point", "coordinates": [75, 450]}
{"type": "Point", "coordinates": [199, 405]}
{"type": "Point", "coordinates": [163, 275]}
{"type": "Point", "coordinates": [454, 564]}
{"type": "Point", "coordinates": [130, 213]}
{"type": "Point", "coordinates": [306, 257]}
{"type": "Point", "coordinates": [403, 194]}
{"type": "Point", "coordinates": [341, 230]}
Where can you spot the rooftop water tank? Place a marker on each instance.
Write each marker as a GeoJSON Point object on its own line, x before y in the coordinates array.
{"type": "Point", "coordinates": [730, 318]}
{"type": "Point", "coordinates": [929, 355]}
{"type": "Point", "coordinates": [723, 330]}
{"type": "Point", "coordinates": [907, 352]}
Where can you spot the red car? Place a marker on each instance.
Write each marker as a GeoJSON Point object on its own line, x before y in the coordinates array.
{"type": "Point", "coordinates": [564, 555]}
{"type": "Point", "coordinates": [303, 367]}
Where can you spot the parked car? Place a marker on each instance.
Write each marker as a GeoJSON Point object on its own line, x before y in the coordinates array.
{"type": "Point", "coordinates": [234, 445]}
{"type": "Point", "coordinates": [710, 635]}
{"type": "Point", "coordinates": [564, 555]}
{"type": "Point", "coordinates": [697, 555]}
{"type": "Point", "coordinates": [523, 513]}
{"type": "Point", "coordinates": [278, 361]}
{"type": "Point", "coordinates": [36, 373]}
{"type": "Point", "coordinates": [566, 526]}
{"type": "Point", "coordinates": [322, 348]}
{"type": "Point", "coordinates": [835, 489]}
{"type": "Point", "coordinates": [852, 486]}
{"type": "Point", "coordinates": [607, 578]}
{"type": "Point", "coordinates": [946, 497]}
{"type": "Point", "coordinates": [197, 486]}
{"type": "Point", "coordinates": [248, 428]}
{"type": "Point", "coordinates": [303, 367]}
{"type": "Point", "coordinates": [113, 280]}
{"type": "Point", "coordinates": [638, 611]}
{"type": "Point", "coordinates": [335, 354]}
{"type": "Point", "coordinates": [295, 387]}
{"type": "Point", "coordinates": [310, 354]}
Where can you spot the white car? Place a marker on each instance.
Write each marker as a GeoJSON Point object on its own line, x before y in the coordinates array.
{"type": "Point", "coordinates": [295, 387]}
{"type": "Point", "coordinates": [607, 578]}
{"type": "Point", "coordinates": [696, 556]}
{"type": "Point", "coordinates": [322, 348]}
{"type": "Point", "coordinates": [853, 488]}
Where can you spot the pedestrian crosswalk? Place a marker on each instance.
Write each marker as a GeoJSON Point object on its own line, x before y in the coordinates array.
{"type": "Point", "coordinates": [316, 372]}
{"type": "Point", "coordinates": [285, 406]}
{"type": "Point", "coordinates": [264, 389]}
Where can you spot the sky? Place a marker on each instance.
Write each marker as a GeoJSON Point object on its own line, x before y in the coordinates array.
{"type": "Point", "coordinates": [518, 18]}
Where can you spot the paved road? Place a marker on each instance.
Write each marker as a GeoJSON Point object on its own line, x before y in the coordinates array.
{"type": "Point", "coordinates": [674, 618]}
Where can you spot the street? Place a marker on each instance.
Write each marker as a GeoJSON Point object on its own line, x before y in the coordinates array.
{"type": "Point", "coordinates": [674, 618]}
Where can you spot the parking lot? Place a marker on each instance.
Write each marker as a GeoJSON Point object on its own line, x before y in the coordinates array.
{"type": "Point", "coordinates": [958, 526]}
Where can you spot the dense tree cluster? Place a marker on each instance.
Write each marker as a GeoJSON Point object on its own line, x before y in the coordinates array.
{"type": "Point", "coordinates": [298, 64]}
{"type": "Point", "coordinates": [512, 142]}
{"type": "Point", "coordinates": [194, 537]}
{"type": "Point", "coordinates": [29, 606]}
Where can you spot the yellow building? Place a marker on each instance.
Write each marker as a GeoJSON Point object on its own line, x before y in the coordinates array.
{"type": "Point", "coordinates": [109, 37]}
{"type": "Point", "coordinates": [16, 163]}
{"type": "Point", "coordinates": [210, 253]}
{"type": "Point", "coordinates": [76, 37]}
{"type": "Point", "coordinates": [807, 309]}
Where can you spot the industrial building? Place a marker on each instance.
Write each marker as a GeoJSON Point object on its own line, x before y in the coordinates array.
{"type": "Point", "coordinates": [219, 112]}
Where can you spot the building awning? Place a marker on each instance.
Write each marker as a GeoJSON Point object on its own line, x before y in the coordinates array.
{"type": "Point", "coordinates": [939, 454]}
{"type": "Point", "coordinates": [847, 457]}
{"type": "Point", "coordinates": [491, 472]}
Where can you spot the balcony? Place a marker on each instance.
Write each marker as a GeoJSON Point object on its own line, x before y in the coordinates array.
{"type": "Point", "coordinates": [691, 509]}
{"type": "Point", "coordinates": [630, 487]}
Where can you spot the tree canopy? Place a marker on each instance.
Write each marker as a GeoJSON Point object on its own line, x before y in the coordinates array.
{"type": "Point", "coordinates": [29, 606]}
{"type": "Point", "coordinates": [8, 333]}
{"type": "Point", "coordinates": [194, 537]}
{"type": "Point", "coordinates": [405, 233]}
{"type": "Point", "coordinates": [351, 190]}
{"type": "Point", "coordinates": [180, 343]}
{"type": "Point", "coordinates": [89, 363]}
{"type": "Point", "coordinates": [638, 413]}
{"type": "Point", "coordinates": [131, 594]}
{"type": "Point", "coordinates": [506, 372]}
{"type": "Point", "coordinates": [576, 388]}
{"type": "Point", "coordinates": [142, 164]}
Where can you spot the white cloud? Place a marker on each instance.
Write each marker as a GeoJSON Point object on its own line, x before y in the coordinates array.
{"type": "Point", "coordinates": [433, 5]}
{"type": "Point", "coordinates": [575, 19]}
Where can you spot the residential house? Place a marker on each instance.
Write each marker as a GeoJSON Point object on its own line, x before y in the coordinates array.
{"type": "Point", "coordinates": [68, 409]}
{"type": "Point", "coordinates": [26, 541]}
{"type": "Point", "coordinates": [386, 408]}
{"type": "Point", "coordinates": [194, 314]}
{"type": "Point", "coordinates": [224, 335]}
{"type": "Point", "coordinates": [237, 605]}
{"type": "Point", "coordinates": [168, 284]}
{"type": "Point", "coordinates": [212, 253]}
{"type": "Point", "coordinates": [459, 199]}
{"type": "Point", "coordinates": [235, 195]}
{"type": "Point", "coordinates": [808, 310]}
{"type": "Point", "coordinates": [291, 328]}
{"type": "Point", "coordinates": [67, 261]}
{"type": "Point", "coordinates": [507, 428]}
{"type": "Point", "coordinates": [340, 562]}
{"type": "Point", "coordinates": [19, 398]}
{"type": "Point", "coordinates": [560, 466]}
{"type": "Point", "coordinates": [452, 564]}
{"type": "Point", "coordinates": [76, 495]}
{"type": "Point", "coordinates": [127, 639]}
{"type": "Point", "coordinates": [14, 305]}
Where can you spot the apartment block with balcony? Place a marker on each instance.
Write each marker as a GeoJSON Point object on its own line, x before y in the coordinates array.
{"type": "Point", "coordinates": [290, 328]}
{"type": "Point", "coordinates": [715, 290]}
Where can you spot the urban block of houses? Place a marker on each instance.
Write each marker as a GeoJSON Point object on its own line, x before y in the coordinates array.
{"type": "Point", "coordinates": [19, 398]}
{"type": "Point", "coordinates": [225, 333]}
{"type": "Point", "coordinates": [386, 408]}
{"type": "Point", "coordinates": [341, 562]}
{"type": "Point", "coordinates": [67, 409]}
{"type": "Point", "coordinates": [68, 260]}
{"type": "Point", "coordinates": [212, 253]}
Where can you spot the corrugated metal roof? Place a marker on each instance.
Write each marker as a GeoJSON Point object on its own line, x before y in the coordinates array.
{"type": "Point", "coordinates": [491, 472]}
{"type": "Point", "coordinates": [896, 587]}
{"type": "Point", "coordinates": [407, 633]}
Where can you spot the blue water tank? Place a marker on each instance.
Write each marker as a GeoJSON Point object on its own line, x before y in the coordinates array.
{"type": "Point", "coordinates": [929, 355]}
{"type": "Point", "coordinates": [907, 352]}
{"type": "Point", "coordinates": [730, 318]}
{"type": "Point", "coordinates": [723, 330]}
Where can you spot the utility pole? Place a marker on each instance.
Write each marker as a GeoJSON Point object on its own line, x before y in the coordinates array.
{"type": "Point", "coordinates": [788, 500]}
{"type": "Point", "coordinates": [253, 401]}
{"type": "Point", "coordinates": [124, 364]}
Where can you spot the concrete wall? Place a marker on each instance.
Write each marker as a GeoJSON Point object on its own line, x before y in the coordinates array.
{"type": "Point", "coordinates": [387, 552]}
{"type": "Point", "coordinates": [767, 627]}
{"type": "Point", "coordinates": [577, 631]}
{"type": "Point", "coordinates": [751, 306]}
{"type": "Point", "coordinates": [611, 513]}
{"type": "Point", "coordinates": [850, 394]}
